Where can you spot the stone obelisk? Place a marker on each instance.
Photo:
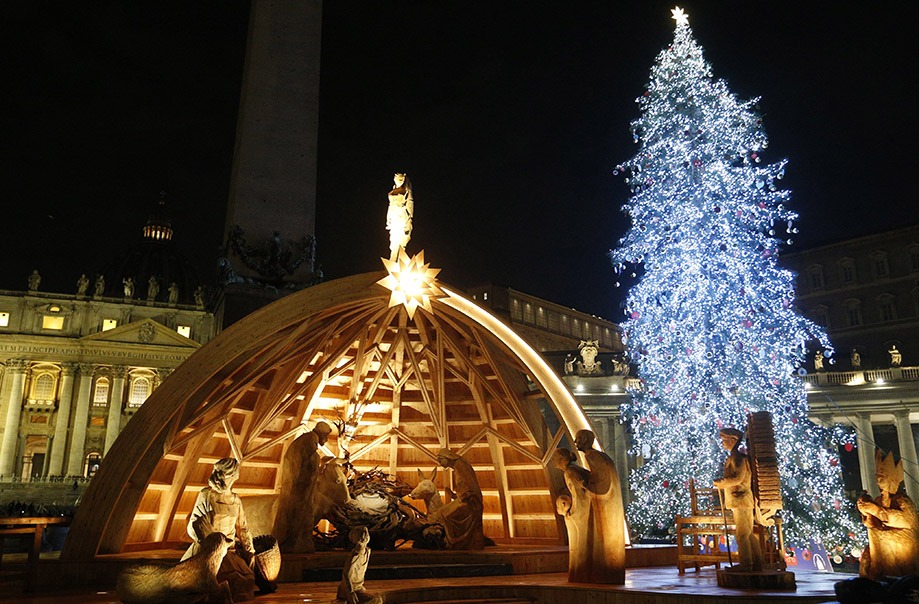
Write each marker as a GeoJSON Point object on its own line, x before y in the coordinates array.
{"type": "Point", "coordinates": [269, 245]}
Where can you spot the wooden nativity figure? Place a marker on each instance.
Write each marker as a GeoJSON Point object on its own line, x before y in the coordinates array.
{"type": "Point", "coordinates": [462, 516]}
{"type": "Point", "coordinates": [738, 497]}
{"type": "Point", "coordinates": [574, 507]}
{"type": "Point", "coordinates": [351, 589]}
{"type": "Point", "coordinates": [893, 526]}
{"type": "Point", "coordinates": [219, 509]}
{"type": "Point", "coordinates": [294, 522]}
{"type": "Point", "coordinates": [607, 558]}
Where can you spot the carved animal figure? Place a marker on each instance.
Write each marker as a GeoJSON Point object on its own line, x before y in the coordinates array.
{"type": "Point", "coordinates": [427, 491]}
{"type": "Point", "coordinates": [182, 583]}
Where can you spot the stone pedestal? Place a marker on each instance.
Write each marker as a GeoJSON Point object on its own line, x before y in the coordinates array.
{"type": "Point", "coordinates": [760, 579]}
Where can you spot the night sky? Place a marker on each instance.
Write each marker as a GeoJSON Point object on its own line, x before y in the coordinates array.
{"type": "Point", "coordinates": [508, 117]}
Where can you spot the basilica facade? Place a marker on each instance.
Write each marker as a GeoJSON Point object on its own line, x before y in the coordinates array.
{"type": "Point", "coordinates": [74, 367]}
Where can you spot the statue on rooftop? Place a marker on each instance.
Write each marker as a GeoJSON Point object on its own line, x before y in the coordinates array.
{"type": "Point", "coordinates": [100, 286]}
{"type": "Point", "coordinates": [82, 285]}
{"type": "Point", "coordinates": [34, 281]}
{"type": "Point", "coordinates": [399, 214]}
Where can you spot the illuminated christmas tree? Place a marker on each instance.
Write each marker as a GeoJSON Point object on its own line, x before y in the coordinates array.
{"type": "Point", "coordinates": [711, 324]}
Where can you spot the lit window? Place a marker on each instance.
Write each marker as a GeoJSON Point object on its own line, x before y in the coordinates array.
{"type": "Point", "coordinates": [485, 296]}
{"type": "Point", "coordinates": [140, 390]}
{"type": "Point", "coordinates": [108, 324]}
{"type": "Point", "coordinates": [52, 322]}
{"type": "Point", "coordinates": [184, 330]}
{"type": "Point", "coordinates": [100, 396]}
{"type": "Point", "coordinates": [4, 319]}
{"type": "Point", "coordinates": [44, 387]}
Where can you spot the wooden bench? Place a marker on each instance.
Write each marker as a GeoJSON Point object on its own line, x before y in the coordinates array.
{"type": "Point", "coordinates": [34, 526]}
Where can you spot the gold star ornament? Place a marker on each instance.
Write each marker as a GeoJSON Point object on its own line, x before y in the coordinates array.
{"type": "Point", "coordinates": [679, 16]}
{"type": "Point", "coordinates": [411, 281]}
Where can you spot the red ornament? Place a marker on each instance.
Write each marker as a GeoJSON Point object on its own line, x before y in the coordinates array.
{"type": "Point", "coordinates": [833, 462]}
{"type": "Point", "coordinates": [849, 447]}
{"type": "Point", "coordinates": [697, 163]}
{"type": "Point", "coordinates": [635, 314]}
{"type": "Point", "coordinates": [666, 484]}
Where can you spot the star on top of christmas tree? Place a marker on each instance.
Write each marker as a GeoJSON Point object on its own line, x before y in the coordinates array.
{"type": "Point", "coordinates": [679, 16]}
{"type": "Point", "coordinates": [411, 281]}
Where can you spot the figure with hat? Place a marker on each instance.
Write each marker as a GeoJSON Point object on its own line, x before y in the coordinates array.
{"type": "Point", "coordinates": [219, 509]}
{"type": "Point", "coordinates": [893, 527]}
{"type": "Point", "coordinates": [294, 522]}
{"type": "Point", "coordinates": [738, 497]}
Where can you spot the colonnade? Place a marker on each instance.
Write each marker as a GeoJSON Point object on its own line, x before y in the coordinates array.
{"type": "Point", "coordinates": [67, 438]}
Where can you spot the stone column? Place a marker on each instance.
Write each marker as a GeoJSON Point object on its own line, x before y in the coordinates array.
{"type": "Point", "coordinates": [908, 454]}
{"type": "Point", "coordinates": [866, 466]}
{"type": "Point", "coordinates": [80, 421]}
{"type": "Point", "coordinates": [59, 442]}
{"type": "Point", "coordinates": [16, 369]}
{"type": "Point", "coordinates": [622, 459]}
{"type": "Point", "coordinates": [113, 424]}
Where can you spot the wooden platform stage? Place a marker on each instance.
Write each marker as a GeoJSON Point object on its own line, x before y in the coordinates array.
{"type": "Point", "coordinates": [533, 574]}
{"type": "Point", "coordinates": [643, 586]}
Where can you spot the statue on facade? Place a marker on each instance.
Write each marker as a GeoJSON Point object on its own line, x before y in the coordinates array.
{"type": "Point", "coordinates": [569, 364]}
{"type": "Point", "coordinates": [574, 507]}
{"type": "Point", "coordinates": [199, 297]}
{"type": "Point", "coordinates": [818, 360]}
{"type": "Point", "coordinates": [128, 283]}
{"type": "Point", "coordinates": [351, 589]}
{"type": "Point", "coordinates": [153, 288]}
{"type": "Point", "coordinates": [589, 365]}
{"type": "Point", "coordinates": [293, 525]}
{"type": "Point", "coordinates": [895, 357]}
{"type": "Point", "coordinates": [219, 509]}
{"type": "Point", "coordinates": [893, 526]}
{"type": "Point", "coordinates": [856, 359]}
{"type": "Point", "coordinates": [738, 497]}
{"type": "Point", "coordinates": [462, 516]}
{"type": "Point", "coordinates": [173, 293]}
{"type": "Point", "coordinates": [100, 286]}
{"type": "Point", "coordinates": [34, 280]}
{"type": "Point", "coordinates": [399, 214]}
{"type": "Point", "coordinates": [607, 557]}
{"type": "Point", "coordinates": [82, 286]}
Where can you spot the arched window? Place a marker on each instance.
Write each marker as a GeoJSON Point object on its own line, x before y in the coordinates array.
{"type": "Point", "coordinates": [100, 394]}
{"type": "Point", "coordinates": [43, 389]}
{"type": "Point", "coordinates": [881, 268]}
{"type": "Point", "coordinates": [140, 390]}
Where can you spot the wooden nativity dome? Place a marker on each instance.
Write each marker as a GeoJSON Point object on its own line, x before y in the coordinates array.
{"type": "Point", "coordinates": [454, 377]}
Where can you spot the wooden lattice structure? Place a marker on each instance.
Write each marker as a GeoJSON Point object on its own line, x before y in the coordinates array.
{"type": "Point", "coordinates": [456, 377]}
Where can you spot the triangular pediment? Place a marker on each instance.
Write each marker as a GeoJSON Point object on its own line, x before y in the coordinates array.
{"type": "Point", "coordinates": [146, 331]}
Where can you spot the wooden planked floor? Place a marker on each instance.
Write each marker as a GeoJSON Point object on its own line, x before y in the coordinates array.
{"type": "Point", "coordinates": [643, 586]}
